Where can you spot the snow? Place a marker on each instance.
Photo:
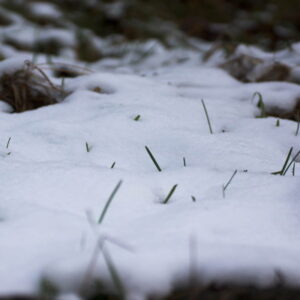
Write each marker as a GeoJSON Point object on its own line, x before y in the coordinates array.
{"type": "Point", "coordinates": [45, 10]}
{"type": "Point", "coordinates": [53, 191]}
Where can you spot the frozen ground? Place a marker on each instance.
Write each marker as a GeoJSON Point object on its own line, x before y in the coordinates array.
{"type": "Point", "coordinates": [53, 191]}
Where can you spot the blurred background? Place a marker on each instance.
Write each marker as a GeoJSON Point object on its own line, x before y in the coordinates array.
{"type": "Point", "coordinates": [271, 24]}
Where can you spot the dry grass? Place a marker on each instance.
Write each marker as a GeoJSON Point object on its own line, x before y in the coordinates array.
{"type": "Point", "coordinates": [29, 88]}
{"type": "Point", "coordinates": [243, 67]}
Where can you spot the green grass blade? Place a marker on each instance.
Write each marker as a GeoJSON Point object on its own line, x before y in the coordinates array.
{"type": "Point", "coordinates": [8, 142]}
{"type": "Point", "coordinates": [153, 159]}
{"type": "Point", "coordinates": [292, 161]}
{"type": "Point", "coordinates": [285, 163]}
{"type": "Point", "coordinates": [137, 118]}
{"type": "Point", "coordinates": [260, 104]}
{"type": "Point", "coordinates": [297, 129]}
{"type": "Point", "coordinates": [223, 191]}
{"type": "Point", "coordinates": [294, 169]}
{"type": "Point", "coordinates": [87, 147]}
{"type": "Point", "coordinates": [62, 85]}
{"type": "Point", "coordinates": [207, 116]}
{"type": "Point", "coordinates": [111, 197]}
{"type": "Point", "coordinates": [170, 194]}
{"type": "Point", "coordinates": [229, 181]}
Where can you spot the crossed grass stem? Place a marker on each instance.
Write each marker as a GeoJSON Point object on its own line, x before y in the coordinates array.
{"type": "Point", "coordinates": [286, 164]}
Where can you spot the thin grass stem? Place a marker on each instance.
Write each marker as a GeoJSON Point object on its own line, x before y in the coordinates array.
{"type": "Point", "coordinates": [170, 194]}
{"type": "Point", "coordinates": [224, 187]}
{"type": "Point", "coordinates": [8, 142]}
{"type": "Point", "coordinates": [111, 197]}
{"type": "Point", "coordinates": [229, 181]}
{"type": "Point", "coordinates": [294, 169]}
{"type": "Point", "coordinates": [292, 161]}
{"type": "Point", "coordinates": [153, 159]}
{"type": "Point", "coordinates": [87, 147]}
{"type": "Point", "coordinates": [297, 129]}
{"type": "Point", "coordinates": [260, 104]}
{"type": "Point", "coordinates": [285, 163]}
{"type": "Point", "coordinates": [207, 117]}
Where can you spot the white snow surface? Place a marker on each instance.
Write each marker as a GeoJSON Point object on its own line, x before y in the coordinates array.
{"type": "Point", "coordinates": [53, 191]}
{"type": "Point", "coordinates": [45, 10]}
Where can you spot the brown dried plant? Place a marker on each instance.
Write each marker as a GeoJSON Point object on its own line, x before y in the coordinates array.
{"type": "Point", "coordinates": [29, 88]}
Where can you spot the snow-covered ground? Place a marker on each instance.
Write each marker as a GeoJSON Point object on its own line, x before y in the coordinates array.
{"type": "Point", "coordinates": [59, 165]}
{"type": "Point", "coordinates": [53, 190]}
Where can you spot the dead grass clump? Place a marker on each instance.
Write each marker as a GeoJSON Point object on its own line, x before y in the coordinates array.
{"type": "Point", "coordinates": [29, 88]}
{"type": "Point", "coordinates": [293, 115]}
{"type": "Point", "coordinates": [241, 67]}
{"type": "Point", "coordinates": [247, 68]}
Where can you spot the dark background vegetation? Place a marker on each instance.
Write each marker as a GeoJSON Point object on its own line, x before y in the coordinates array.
{"type": "Point", "coordinates": [271, 24]}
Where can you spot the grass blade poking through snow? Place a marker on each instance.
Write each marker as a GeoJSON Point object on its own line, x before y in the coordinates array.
{"type": "Point", "coordinates": [294, 169]}
{"type": "Point", "coordinates": [260, 104]}
{"type": "Point", "coordinates": [7, 146]}
{"type": "Point", "coordinates": [170, 194]}
{"type": "Point", "coordinates": [8, 142]}
{"type": "Point", "coordinates": [113, 165]}
{"type": "Point", "coordinates": [62, 85]}
{"type": "Point", "coordinates": [184, 162]}
{"type": "Point", "coordinates": [87, 147]}
{"type": "Point", "coordinates": [298, 125]}
{"type": "Point", "coordinates": [227, 184]}
{"type": "Point", "coordinates": [285, 163]}
{"type": "Point", "coordinates": [289, 165]}
{"type": "Point", "coordinates": [137, 118]}
{"type": "Point", "coordinates": [207, 117]}
{"type": "Point", "coordinates": [153, 159]}
{"type": "Point", "coordinates": [111, 197]}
